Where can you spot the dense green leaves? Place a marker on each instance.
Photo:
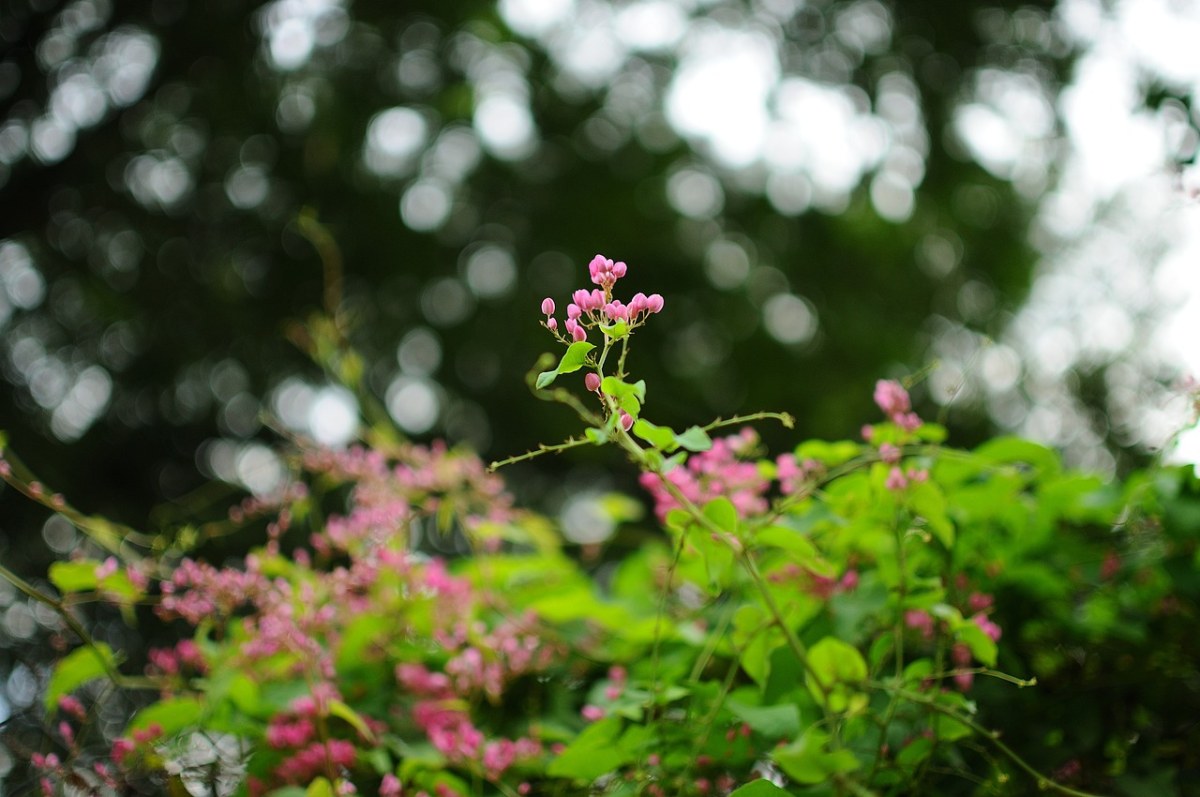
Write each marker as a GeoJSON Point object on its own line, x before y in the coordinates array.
{"type": "Point", "coordinates": [81, 666]}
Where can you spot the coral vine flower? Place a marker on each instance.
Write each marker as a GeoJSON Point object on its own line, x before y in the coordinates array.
{"type": "Point", "coordinates": [596, 307]}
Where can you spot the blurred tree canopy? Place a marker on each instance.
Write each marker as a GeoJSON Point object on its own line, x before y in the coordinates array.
{"type": "Point", "coordinates": [787, 174]}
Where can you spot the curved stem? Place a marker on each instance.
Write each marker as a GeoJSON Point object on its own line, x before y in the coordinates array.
{"type": "Point", "coordinates": [993, 737]}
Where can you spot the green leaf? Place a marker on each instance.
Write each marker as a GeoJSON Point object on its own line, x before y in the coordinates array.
{"type": "Point", "coordinates": [76, 669]}
{"type": "Point", "coordinates": [694, 439]}
{"type": "Point", "coordinates": [339, 709]}
{"type": "Point", "coordinates": [913, 753]}
{"type": "Point", "coordinates": [173, 715]}
{"type": "Point", "coordinates": [806, 760]}
{"type": "Point", "coordinates": [722, 513]}
{"type": "Point", "coordinates": [629, 396]}
{"type": "Point", "coordinates": [78, 576]}
{"type": "Point", "coordinates": [319, 788]}
{"type": "Point", "coordinates": [615, 331]}
{"type": "Point", "coordinates": [980, 644]}
{"type": "Point", "coordinates": [839, 668]}
{"type": "Point", "coordinates": [949, 729]}
{"type": "Point", "coordinates": [759, 788]}
{"type": "Point", "coordinates": [593, 753]}
{"type": "Point", "coordinates": [661, 437]}
{"type": "Point", "coordinates": [774, 722]}
{"type": "Point", "coordinates": [787, 539]}
{"type": "Point", "coordinates": [928, 501]}
{"type": "Point", "coordinates": [1017, 450]}
{"type": "Point", "coordinates": [597, 436]}
{"type": "Point", "coordinates": [572, 361]}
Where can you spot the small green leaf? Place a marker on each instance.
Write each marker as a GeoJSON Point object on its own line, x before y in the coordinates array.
{"type": "Point", "coordinates": [787, 539]}
{"type": "Point", "coordinates": [982, 647]}
{"type": "Point", "coordinates": [774, 722]}
{"type": "Point", "coordinates": [78, 576]}
{"type": "Point", "coordinates": [661, 437]}
{"type": "Point", "coordinates": [928, 501]}
{"type": "Point", "coordinates": [806, 760]}
{"type": "Point", "coordinates": [593, 753]}
{"type": "Point", "coordinates": [615, 331]}
{"type": "Point", "coordinates": [172, 715]}
{"type": "Point", "coordinates": [597, 436]}
{"type": "Point", "coordinates": [949, 729]}
{"type": "Point", "coordinates": [339, 709]}
{"type": "Point", "coordinates": [629, 397]}
{"type": "Point", "coordinates": [1018, 450]}
{"type": "Point", "coordinates": [838, 668]}
{"type": "Point", "coordinates": [574, 359]}
{"type": "Point", "coordinates": [722, 513]}
{"type": "Point", "coordinates": [76, 669]}
{"type": "Point", "coordinates": [319, 788]}
{"type": "Point", "coordinates": [694, 439]}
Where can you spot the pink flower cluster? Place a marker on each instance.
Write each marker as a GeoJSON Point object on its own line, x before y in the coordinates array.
{"type": "Point", "coordinates": [451, 731]}
{"type": "Point", "coordinates": [500, 656]}
{"type": "Point", "coordinates": [316, 759]}
{"type": "Point", "coordinates": [892, 398]}
{"type": "Point", "coordinates": [389, 497]}
{"type": "Point", "coordinates": [597, 307]}
{"type": "Point", "coordinates": [794, 476]}
{"type": "Point", "coordinates": [198, 591]}
{"type": "Point", "coordinates": [723, 470]}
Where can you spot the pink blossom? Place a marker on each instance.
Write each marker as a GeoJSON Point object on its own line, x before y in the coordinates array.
{"type": "Point", "coordinates": [71, 705]}
{"type": "Point", "coordinates": [547, 306]}
{"type": "Point", "coordinates": [891, 397]}
{"type": "Point", "coordinates": [106, 569]}
{"type": "Point", "coordinates": [390, 786]}
{"type": "Point", "coordinates": [987, 626]}
{"type": "Point", "coordinates": [896, 480]}
{"type": "Point", "coordinates": [721, 471]}
{"type": "Point", "coordinates": [889, 453]}
{"type": "Point", "coordinates": [920, 620]}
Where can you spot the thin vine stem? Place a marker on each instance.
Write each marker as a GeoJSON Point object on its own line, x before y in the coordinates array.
{"type": "Point", "coordinates": [991, 736]}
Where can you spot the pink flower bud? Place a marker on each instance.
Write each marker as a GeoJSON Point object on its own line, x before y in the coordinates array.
{"type": "Point", "coordinates": [578, 334]}
{"type": "Point", "coordinates": [626, 420]}
{"type": "Point", "coordinates": [654, 302]}
{"type": "Point", "coordinates": [547, 306]}
{"type": "Point", "coordinates": [573, 310]}
{"type": "Point", "coordinates": [571, 326]}
{"type": "Point", "coordinates": [619, 269]}
{"type": "Point", "coordinates": [592, 382]}
{"type": "Point", "coordinates": [552, 324]}
{"type": "Point", "coordinates": [580, 297]}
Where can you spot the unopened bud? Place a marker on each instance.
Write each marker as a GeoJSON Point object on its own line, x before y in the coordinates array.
{"type": "Point", "coordinates": [626, 420]}
{"type": "Point", "coordinates": [592, 382]}
{"type": "Point", "coordinates": [547, 306]}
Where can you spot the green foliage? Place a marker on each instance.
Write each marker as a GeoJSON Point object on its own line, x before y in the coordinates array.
{"type": "Point", "coordinates": [572, 360]}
